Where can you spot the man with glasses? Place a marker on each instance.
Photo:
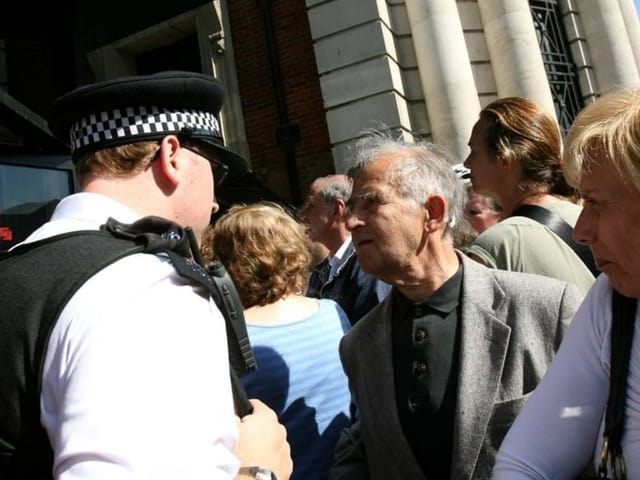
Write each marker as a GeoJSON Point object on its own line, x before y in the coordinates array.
{"type": "Point", "coordinates": [135, 377]}
{"type": "Point", "coordinates": [339, 276]}
{"type": "Point", "coordinates": [440, 368]}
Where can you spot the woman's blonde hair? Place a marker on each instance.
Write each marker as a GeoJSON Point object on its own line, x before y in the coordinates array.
{"type": "Point", "coordinates": [606, 130]}
{"type": "Point", "coordinates": [265, 250]}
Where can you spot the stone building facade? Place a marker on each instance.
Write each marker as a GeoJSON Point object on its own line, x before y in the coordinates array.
{"type": "Point", "coordinates": [423, 67]}
{"type": "Point", "coordinates": [428, 67]}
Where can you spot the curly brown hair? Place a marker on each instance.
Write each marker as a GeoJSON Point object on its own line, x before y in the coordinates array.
{"type": "Point", "coordinates": [264, 249]}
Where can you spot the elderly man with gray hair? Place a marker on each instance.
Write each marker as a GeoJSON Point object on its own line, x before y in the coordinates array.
{"type": "Point", "coordinates": [439, 369]}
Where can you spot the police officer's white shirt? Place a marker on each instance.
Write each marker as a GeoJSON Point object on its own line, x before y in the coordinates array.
{"type": "Point", "coordinates": [136, 376]}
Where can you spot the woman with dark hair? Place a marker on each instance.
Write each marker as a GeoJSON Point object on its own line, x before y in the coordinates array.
{"type": "Point", "coordinates": [516, 159]}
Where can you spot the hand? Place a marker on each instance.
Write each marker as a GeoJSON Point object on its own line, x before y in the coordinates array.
{"type": "Point", "coordinates": [263, 441]}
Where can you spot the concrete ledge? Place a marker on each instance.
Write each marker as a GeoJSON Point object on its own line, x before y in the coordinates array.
{"type": "Point", "coordinates": [332, 17]}
{"type": "Point", "coordinates": [387, 110]}
{"type": "Point", "coordinates": [353, 46]}
{"type": "Point", "coordinates": [361, 80]}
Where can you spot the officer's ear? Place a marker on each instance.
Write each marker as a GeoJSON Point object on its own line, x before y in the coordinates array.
{"type": "Point", "coordinates": [436, 208]}
{"type": "Point", "coordinates": [169, 162]}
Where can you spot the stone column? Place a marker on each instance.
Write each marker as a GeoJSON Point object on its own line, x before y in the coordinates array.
{"type": "Point", "coordinates": [514, 51]}
{"type": "Point", "coordinates": [445, 72]}
{"type": "Point", "coordinates": [630, 16]}
{"type": "Point", "coordinates": [606, 34]}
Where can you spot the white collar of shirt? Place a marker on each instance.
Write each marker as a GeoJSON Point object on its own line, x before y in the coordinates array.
{"type": "Point", "coordinates": [336, 258]}
{"type": "Point", "coordinates": [83, 211]}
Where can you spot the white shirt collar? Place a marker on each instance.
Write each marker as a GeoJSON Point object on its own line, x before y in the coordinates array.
{"type": "Point", "coordinates": [83, 211]}
{"type": "Point", "coordinates": [336, 259]}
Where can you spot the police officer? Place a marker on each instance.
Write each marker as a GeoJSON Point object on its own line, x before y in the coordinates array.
{"type": "Point", "coordinates": [135, 378]}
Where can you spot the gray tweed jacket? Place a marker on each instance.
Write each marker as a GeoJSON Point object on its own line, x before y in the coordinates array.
{"type": "Point", "coordinates": [511, 326]}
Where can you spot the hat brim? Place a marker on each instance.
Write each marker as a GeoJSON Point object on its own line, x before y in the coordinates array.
{"type": "Point", "coordinates": [170, 90]}
{"type": "Point", "coordinates": [237, 165]}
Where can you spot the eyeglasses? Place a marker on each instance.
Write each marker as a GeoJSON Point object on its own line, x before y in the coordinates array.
{"type": "Point", "coordinates": [220, 170]}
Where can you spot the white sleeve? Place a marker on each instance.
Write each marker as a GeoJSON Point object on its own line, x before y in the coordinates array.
{"type": "Point", "coordinates": [554, 435]}
{"type": "Point", "coordinates": [136, 380]}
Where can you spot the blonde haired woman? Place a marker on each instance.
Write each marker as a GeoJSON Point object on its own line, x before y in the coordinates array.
{"type": "Point", "coordinates": [560, 430]}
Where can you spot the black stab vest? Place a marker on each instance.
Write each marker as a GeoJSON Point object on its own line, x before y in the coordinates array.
{"type": "Point", "coordinates": [37, 280]}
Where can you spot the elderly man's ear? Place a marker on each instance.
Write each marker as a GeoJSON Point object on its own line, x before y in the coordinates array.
{"type": "Point", "coordinates": [436, 208]}
{"type": "Point", "coordinates": [339, 209]}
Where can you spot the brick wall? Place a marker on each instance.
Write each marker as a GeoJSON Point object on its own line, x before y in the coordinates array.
{"type": "Point", "coordinates": [301, 86]}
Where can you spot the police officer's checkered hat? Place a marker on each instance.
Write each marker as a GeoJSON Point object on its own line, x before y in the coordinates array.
{"type": "Point", "coordinates": [146, 107]}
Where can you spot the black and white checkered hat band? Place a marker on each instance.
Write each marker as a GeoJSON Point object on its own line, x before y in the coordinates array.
{"type": "Point", "coordinates": [128, 124]}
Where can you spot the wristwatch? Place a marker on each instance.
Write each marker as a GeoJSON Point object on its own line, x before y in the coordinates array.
{"type": "Point", "coordinates": [259, 473]}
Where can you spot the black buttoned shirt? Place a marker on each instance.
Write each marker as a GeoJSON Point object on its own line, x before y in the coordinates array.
{"type": "Point", "coordinates": [425, 351]}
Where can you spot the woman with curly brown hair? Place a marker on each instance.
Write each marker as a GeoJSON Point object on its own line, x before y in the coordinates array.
{"type": "Point", "coordinates": [516, 159]}
{"type": "Point", "coordinates": [295, 338]}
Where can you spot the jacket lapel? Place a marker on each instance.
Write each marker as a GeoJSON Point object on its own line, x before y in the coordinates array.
{"type": "Point", "coordinates": [484, 341]}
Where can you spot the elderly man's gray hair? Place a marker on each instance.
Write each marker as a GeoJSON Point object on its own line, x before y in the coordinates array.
{"type": "Point", "coordinates": [425, 169]}
{"type": "Point", "coordinates": [334, 187]}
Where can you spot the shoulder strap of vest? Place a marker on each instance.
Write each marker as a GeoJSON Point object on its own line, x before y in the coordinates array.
{"type": "Point", "coordinates": [59, 265]}
{"type": "Point", "coordinates": [153, 234]}
{"type": "Point", "coordinates": [51, 271]}
{"type": "Point", "coordinates": [232, 307]}
{"type": "Point", "coordinates": [38, 279]}
{"type": "Point", "coordinates": [158, 234]}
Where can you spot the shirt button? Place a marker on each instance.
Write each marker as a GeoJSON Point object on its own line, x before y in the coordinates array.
{"type": "Point", "coordinates": [419, 335]}
{"type": "Point", "coordinates": [419, 369]}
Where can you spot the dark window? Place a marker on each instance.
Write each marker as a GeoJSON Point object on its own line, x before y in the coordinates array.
{"type": "Point", "coordinates": [556, 55]}
{"type": "Point", "coordinates": [28, 195]}
{"type": "Point", "coordinates": [181, 55]}
{"type": "Point", "coordinates": [23, 184]}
